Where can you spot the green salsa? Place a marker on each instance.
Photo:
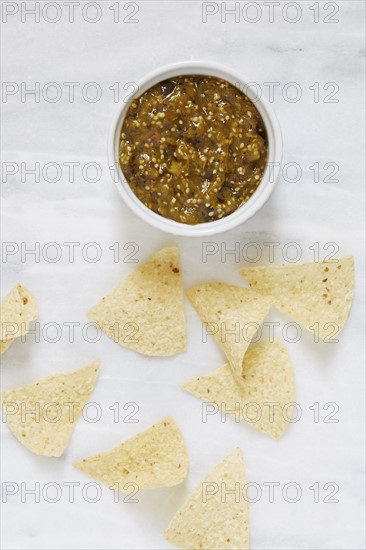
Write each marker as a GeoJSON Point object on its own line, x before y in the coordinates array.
{"type": "Point", "coordinates": [193, 148]}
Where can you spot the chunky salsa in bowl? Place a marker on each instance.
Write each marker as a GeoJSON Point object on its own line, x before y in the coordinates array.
{"type": "Point", "coordinates": [193, 150]}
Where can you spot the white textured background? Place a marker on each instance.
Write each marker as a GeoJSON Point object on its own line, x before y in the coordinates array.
{"type": "Point", "coordinates": [305, 212]}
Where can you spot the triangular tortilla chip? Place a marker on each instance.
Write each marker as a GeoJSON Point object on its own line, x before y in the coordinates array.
{"type": "Point", "coordinates": [310, 293]}
{"type": "Point", "coordinates": [42, 416]}
{"type": "Point", "coordinates": [216, 516]}
{"type": "Point", "coordinates": [17, 310]}
{"type": "Point", "coordinates": [146, 311]}
{"type": "Point", "coordinates": [154, 458]}
{"type": "Point", "coordinates": [263, 397]}
{"type": "Point", "coordinates": [232, 314]}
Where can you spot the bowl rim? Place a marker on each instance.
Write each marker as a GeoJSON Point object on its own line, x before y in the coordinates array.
{"type": "Point", "coordinates": [267, 183]}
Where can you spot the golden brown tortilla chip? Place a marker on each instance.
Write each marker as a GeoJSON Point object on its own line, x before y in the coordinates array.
{"type": "Point", "coordinates": [216, 517]}
{"type": "Point", "coordinates": [146, 311]}
{"type": "Point", "coordinates": [154, 458]}
{"type": "Point", "coordinates": [317, 295]}
{"type": "Point", "coordinates": [232, 314]}
{"type": "Point", "coordinates": [263, 397]}
{"type": "Point", "coordinates": [17, 310]}
{"type": "Point", "coordinates": [42, 416]}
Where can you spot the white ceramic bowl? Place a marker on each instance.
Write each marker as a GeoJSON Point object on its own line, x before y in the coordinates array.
{"type": "Point", "coordinates": [270, 175]}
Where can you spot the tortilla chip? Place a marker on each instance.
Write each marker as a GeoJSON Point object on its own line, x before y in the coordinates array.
{"type": "Point", "coordinates": [18, 309]}
{"type": "Point", "coordinates": [216, 517]}
{"type": "Point", "coordinates": [232, 314]}
{"type": "Point", "coordinates": [264, 396]}
{"type": "Point", "coordinates": [42, 416]}
{"type": "Point", "coordinates": [146, 311]}
{"type": "Point", "coordinates": [310, 293]}
{"type": "Point", "coordinates": [154, 458]}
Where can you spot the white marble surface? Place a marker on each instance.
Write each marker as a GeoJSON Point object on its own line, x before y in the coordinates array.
{"type": "Point", "coordinates": [304, 212]}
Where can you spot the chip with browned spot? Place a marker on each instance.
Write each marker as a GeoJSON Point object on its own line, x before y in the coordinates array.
{"type": "Point", "coordinates": [145, 312]}
{"type": "Point", "coordinates": [154, 458]}
{"type": "Point", "coordinates": [18, 309]}
{"type": "Point", "coordinates": [317, 295]}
